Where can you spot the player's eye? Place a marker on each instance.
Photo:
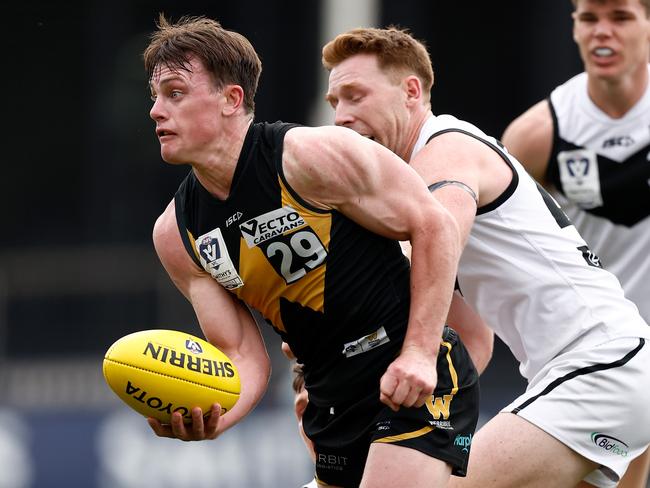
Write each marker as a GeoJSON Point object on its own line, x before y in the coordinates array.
{"type": "Point", "coordinates": [587, 18]}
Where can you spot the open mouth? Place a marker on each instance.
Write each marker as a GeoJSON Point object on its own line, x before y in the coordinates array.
{"type": "Point", "coordinates": [603, 52]}
{"type": "Point", "coordinates": [163, 133]}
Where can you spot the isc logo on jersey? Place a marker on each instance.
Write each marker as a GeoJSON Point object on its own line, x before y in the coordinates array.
{"type": "Point", "coordinates": [271, 224]}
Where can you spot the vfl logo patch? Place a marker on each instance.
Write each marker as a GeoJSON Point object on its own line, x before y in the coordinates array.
{"type": "Point", "coordinates": [578, 168]}
{"type": "Point", "coordinates": [580, 177]}
{"type": "Point", "coordinates": [269, 225]}
{"type": "Point", "coordinates": [610, 444]}
{"type": "Point", "coordinates": [215, 259]}
{"type": "Point", "coordinates": [209, 249]}
{"type": "Point", "coordinates": [365, 344]}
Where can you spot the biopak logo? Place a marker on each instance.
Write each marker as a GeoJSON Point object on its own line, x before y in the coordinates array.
{"type": "Point", "coordinates": [610, 444]}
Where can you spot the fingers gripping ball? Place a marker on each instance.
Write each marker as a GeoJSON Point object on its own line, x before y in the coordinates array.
{"type": "Point", "coordinates": [157, 372]}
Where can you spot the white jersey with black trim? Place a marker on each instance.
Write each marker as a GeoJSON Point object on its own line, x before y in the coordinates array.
{"type": "Point", "coordinates": [601, 169]}
{"type": "Point", "coordinates": [529, 274]}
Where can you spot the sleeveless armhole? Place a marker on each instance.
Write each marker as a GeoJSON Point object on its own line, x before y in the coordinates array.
{"type": "Point", "coordinates": [186, 236]}
{"type": "Point", "coordinates": [515, 176]}
{"type": "Point", "coordinates": [551, 165]}
{"type": "Point", "coordinates": [280, 169]}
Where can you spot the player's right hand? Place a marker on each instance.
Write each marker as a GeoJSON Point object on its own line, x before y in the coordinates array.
{"type": "Point", "coordinates": [200, 429]}
{"type": "Point", "coordinates": [409, 380]}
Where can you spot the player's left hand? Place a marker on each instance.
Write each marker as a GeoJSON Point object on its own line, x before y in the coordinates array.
{"type": "Point", "coordinates": [409, 380]}
{"type": "Point", "coordinates": [200, 429]}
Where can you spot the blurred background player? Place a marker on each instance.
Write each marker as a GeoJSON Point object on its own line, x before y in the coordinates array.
{"type": "Point", "coordinates": [581, 344]}
{"type": "Point", "coordinates": [589, 143]}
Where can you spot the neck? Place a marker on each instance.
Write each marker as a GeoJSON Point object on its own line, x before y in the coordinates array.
{"type": "Point", "coordinates": [415, 126]}
{"type": "Point", "coordinates": [215, 172]}
{"type": "Point", "coordinates": [616, 98]}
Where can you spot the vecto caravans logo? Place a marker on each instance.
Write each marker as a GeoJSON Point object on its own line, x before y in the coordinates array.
{"type": "Point", "coordinates": [610, 444]}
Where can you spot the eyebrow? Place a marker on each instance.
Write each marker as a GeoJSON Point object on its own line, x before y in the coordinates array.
{"type": "Point", "coordinates": [346, 86]}
{"type": "Point", "coordinates": [167, 80]}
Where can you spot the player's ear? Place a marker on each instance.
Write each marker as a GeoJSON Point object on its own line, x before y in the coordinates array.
{"type": "Point", "coordinates": [413, 87]}
{"type": "Point", "coordinates": [234, 95]}
{"type": "Point", "coordinates": [300, 405]}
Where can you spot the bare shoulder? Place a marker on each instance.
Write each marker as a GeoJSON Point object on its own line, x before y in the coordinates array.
{"type": "Point", "coordinates": [306, 146]}
{"type": "Point", "coordinates": [455, 156]}
{"type": "Point", "coordinates": [170, 248]}
{"type": "Point", "coordinates": [323, 164]}
{"type": "Point", "coordinates": [165, 228]}
{"type": "Point", "coordinates": [529, 138]}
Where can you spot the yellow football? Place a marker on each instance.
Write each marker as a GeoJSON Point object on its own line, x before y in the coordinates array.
{"type": "Point", "coordinates": [157, 372]}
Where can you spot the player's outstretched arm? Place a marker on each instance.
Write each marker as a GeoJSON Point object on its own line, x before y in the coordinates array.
{"type": "Point", "coordinates": [335, 168]}
{"type": "Point", "coordinates": [226, 323]}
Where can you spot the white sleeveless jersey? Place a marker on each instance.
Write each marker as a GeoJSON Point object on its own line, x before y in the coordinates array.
{"type": "Point", "coordinates": [601, 169]}
{"type": "Point", "coordinates": [529, 274]}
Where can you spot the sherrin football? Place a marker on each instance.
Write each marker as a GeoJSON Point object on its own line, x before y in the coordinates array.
{"type": "Point", "coordinates": [157, 372]}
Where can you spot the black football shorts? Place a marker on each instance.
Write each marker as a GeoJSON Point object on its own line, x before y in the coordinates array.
{"type": "Point", "coordinates": [443, 428]}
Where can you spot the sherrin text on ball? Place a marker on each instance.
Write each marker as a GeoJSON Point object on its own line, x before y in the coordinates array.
{"type": "Point", "coordinates": [158, 372]}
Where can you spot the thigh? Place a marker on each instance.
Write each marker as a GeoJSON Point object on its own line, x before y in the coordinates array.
{"type": "Point", "coordinates": [509, 451]}
{"type": "Point", "coordinates": [636, 475]}
{"type": "Point", "coordinates": [595, 401]}
{"type": "Point", "coordinates": [389, 466]}
{"type": "Point", "coordinates": [587, 410]}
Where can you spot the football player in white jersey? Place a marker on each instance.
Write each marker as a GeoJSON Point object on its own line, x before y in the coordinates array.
{"type": "Point", "coordinates": [582, 346]}
{"type": "Point", "coordinates": [589, 144]}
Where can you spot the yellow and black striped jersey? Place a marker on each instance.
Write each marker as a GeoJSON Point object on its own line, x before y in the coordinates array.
{"type": "Point", "coordinates": [336, 292]}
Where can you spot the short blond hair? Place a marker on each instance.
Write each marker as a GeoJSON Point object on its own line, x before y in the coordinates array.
{"type": "Point", "coordinates": [395, 48]}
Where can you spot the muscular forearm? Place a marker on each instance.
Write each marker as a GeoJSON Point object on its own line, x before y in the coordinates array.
{"type": "Point", "coordinates": [434, 259]}
{"type": "Point", "coordinates": [254, 377]}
